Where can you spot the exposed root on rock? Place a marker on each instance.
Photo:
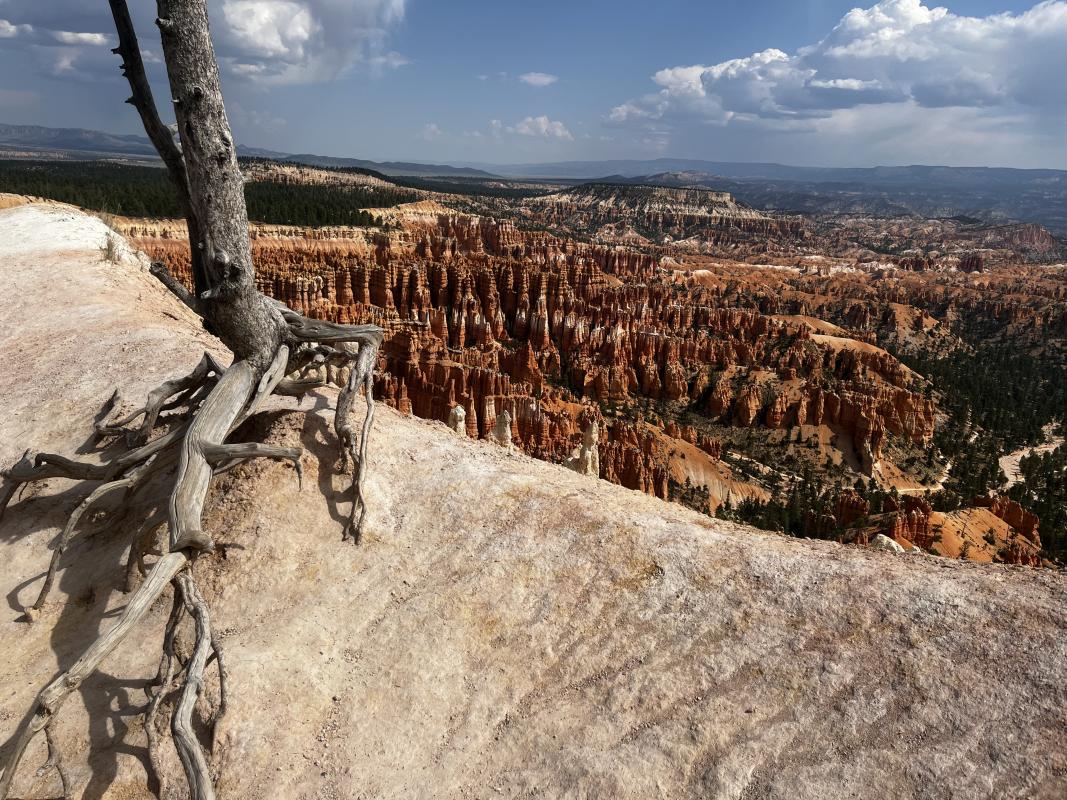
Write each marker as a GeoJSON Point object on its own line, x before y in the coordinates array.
{"type": "Point", "coordinates": [182, 428]}
{"type": "Point", "coordinates": [189, 448]}
{"type": "Point", "coordinates": [362, 374]}
{"type": "Point", "coordinates": [163, 684]}
{"type": "Point", "coordinates": [207, 370]}
{"type": "Point", "coordinates": [192, 756]}
{"type": "Point", "coordinates": [55, 761]}
{"type": "Point", "coordinates": [52, 697]}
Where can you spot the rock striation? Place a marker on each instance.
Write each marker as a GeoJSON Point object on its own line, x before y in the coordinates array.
{"type": "Point", "coordinates": [680, 217]}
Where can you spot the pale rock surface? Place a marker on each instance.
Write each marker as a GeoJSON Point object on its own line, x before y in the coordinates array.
{"type": "Point", "coordinates": [508, 628]}
{"type": "Point", "coordinates": [883, 542]}
{"type": "Point", "coordinates": [457, 420]}
{"type": "Point", "coordinates": [502, 431]}
{"type": "Point", "coordinates": [585, 460]}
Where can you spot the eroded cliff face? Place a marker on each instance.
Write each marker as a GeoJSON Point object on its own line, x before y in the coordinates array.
{"type": "Point", "coordinates": [885, 303]}
{"type": "Point", "coordinates": [693, 220]}
{"type": "Point", "coordinates": [560, 334]}
{"type": "Point", "coordinates": [663, 355]}
{"type": "Point", "coordinates": [992, 529]}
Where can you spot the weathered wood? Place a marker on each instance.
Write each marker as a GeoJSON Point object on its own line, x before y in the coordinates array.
{"type": "Point", "coordinates": [164, 682]}
{"type": "Point", "coordinates": [190, 752]}
{"type": "Point", "coordinates": [245, 321]}
{"type": "Point", "coordinates": [260, 332]}
{"type": "Point", "coordinates": [68, 533]}
{"type": "Point", "coordinates": [226, 455]}
{"type": "Point", "coordinates": [313, 330]}
{"type": "Point", "coordinates": [162, 274]}
{"type": "Point", "coordinates": [210, 427]}
{"type": "Point", "coordinates": [157, 398]}
{"type": "Point", "coordinates": [267, 384]}
{"type": "Point", "coordinates": [50, 465]}
{"type": "Point", "coordinates": [55, 760]}
{"type": "Point", "coordinates": [159, 134]}
{"type": "Point", "coordinates": [362, 375]}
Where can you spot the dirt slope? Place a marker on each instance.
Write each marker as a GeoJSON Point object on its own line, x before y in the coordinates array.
{"type": "Point", "coordinates": [508, 628]}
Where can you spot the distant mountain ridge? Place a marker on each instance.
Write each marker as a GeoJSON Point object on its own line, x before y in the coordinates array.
{"type": "Point", "coordinates": [37, 137]}
{"type": "Point", "coordinates": [992, 194]}
{"type": "Point", "coordinates": [74, 142]}
{"type": "Point", "coordinates": [391, 168]}
{"type": "Point", "coordinates": [635, 168]}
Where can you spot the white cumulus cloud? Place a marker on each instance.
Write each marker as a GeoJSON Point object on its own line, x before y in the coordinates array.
{"type": "Point", "coordinates": [266, 41]}
{"type": "Point", "coordinates": [71, 37]}
{"type": "Point", "coordinates": [302, 41]}
{"type": "Point", "coordinates": [901, 81]}
{"type": "Point", "coordinates": [896, 54]}
{"type": "Point", "coordinates": [9, 30]}
{"type": "Point", "coordinates": [71, 54]}
{"type": "Point", "coordinates": [542, 126]}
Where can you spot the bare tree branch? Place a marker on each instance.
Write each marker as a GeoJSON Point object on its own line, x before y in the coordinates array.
{"type": "Point", "coordinates": [159, 134]}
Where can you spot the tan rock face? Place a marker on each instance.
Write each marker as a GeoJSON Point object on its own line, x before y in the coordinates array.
{"type": "Point", "coordinates": [485, 316]}
{"type": "Point", "coordinates": [585, 460]}
{"type": "Point", "coordinates": [851, 507]}
{"type": "Point", "coordinates": [912, 523]}
{"type": "Point", "coordinates": [992, 529]}
{"type": "Point", "coordinates": [457, 420]}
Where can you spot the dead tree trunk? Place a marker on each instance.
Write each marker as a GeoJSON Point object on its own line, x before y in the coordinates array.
{"type": "Point", "coordinates": [268, 342]}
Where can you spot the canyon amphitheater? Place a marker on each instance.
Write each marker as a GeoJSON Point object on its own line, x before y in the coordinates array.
{"type": "Point", "coordinates": [508, 628]}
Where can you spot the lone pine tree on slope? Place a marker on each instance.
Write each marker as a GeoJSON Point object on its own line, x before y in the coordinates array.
{"type": "Point", "coordinates": [187, 447]}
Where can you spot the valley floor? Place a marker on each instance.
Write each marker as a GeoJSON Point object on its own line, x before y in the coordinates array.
{"type": "Point", "coordinates": [1010, 462]}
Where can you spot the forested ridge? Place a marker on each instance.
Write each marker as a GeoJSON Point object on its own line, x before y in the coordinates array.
{"type": "Point", "coordinates": [1000, 395]}
{"type": "Point", "coordinates": [139, 191]}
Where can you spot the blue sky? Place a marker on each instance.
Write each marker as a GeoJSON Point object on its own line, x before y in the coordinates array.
{"type": "Point", "coordinates": [794, 81]}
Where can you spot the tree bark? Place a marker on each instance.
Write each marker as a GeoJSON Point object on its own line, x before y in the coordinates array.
{"type": "Point", "coordinates": [246, 321]}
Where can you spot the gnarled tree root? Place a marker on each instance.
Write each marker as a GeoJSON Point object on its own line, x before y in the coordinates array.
{"type": "Point", "coordinates": [217, 402]}
{"type": "Point", "coordinates": [206, 370]}
{"type": "Point", "coordinates": [192, 756]}
{"type": "Point", "coordinates": [163, 684]}
{"type": "Point", "coordinates": [362, 374]}
{"type": "Point", "coordinates": [270, 343]}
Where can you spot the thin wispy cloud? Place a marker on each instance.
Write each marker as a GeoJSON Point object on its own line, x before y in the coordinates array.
{"type": "Point", "coordinates": [538, 78]}
{"type": "Point", "coordinates": [430, 131]}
